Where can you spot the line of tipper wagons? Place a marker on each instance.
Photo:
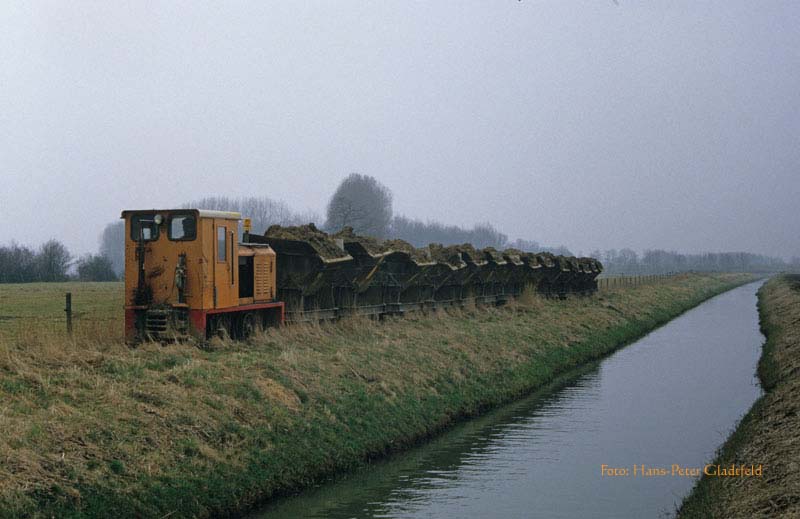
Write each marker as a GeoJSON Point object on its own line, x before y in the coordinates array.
{"type": "Point", "coordinates": [322, 275]}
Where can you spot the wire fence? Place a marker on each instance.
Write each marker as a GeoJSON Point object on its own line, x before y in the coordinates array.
{"type": "Point", "coordinates": [621, 280]}
{"type": "Point", "coordinates": [81, 317]}
{"type": "Point", "coordinates": [17, 325]}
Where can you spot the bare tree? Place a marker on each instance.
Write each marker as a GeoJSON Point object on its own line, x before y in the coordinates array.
{"type": "Point", "coordinates": [53, 261]}
{"type": "Point", "coordinates": [263, 211]}
{"type": "Point", "coordinates": [96, 268]}
{"type": "Point", "coordinates": [525, 245]}
{"type": "Point", "coordinates": [17, 264]}
{"type": "Point", "coordinates": [362, 203]}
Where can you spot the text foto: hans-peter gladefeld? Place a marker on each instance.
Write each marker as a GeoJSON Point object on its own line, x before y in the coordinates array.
{"type": "Point", "coordinates": [643, 470]}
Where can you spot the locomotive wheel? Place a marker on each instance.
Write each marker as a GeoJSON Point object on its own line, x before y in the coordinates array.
{"type": "Point", "coordinates": [247, 325]}
{"type": "Point", "coordinates": [220, 327]}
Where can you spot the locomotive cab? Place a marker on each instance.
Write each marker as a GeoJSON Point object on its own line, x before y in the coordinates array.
{"type": "Point", "coordinates": [186, 274]}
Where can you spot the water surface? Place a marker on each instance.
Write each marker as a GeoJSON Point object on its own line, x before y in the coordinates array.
{"type": "Point", "coordinates": [670, 398]}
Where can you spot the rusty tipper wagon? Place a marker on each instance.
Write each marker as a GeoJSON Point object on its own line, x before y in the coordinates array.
{"type": "Point", "coordinates": [187, 274]}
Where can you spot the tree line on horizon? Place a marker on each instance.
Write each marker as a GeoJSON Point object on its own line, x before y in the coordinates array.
{"type": "Point", "coordinates": [51, 262]}
{"type": "Point", "coordinates": [363, 203]}
{"type": "Point", "coordinates": [658, 261]}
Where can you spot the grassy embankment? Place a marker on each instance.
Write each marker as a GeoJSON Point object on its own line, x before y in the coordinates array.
{"type": "Point", "coordinates": [769, 434]}
{"type": "Point", "coordinates": [91, 427]}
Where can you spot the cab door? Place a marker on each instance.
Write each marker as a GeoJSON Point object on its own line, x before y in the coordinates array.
{"type": "Point", "coordinates": [225, 261]}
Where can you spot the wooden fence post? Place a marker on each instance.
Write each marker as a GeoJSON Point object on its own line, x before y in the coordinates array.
{"type": "Point", "coordinates": [68, 310]}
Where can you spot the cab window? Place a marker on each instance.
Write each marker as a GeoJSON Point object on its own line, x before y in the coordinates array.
{"type": "Point", "coordinates": [221, 249]}
{"type": "Point", "coordinates": [144, 227]}
{"type": "Point", "coordinates": [182, 227]}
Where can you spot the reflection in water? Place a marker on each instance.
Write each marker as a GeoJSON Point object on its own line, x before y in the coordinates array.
{"type": "Point", "coordinates": [671, 398]}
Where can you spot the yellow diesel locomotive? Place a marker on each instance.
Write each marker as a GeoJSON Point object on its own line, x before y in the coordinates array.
{"type": "Point", "coordinates": [186, 273]}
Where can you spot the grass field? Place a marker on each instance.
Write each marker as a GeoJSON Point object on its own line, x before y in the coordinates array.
{"type": "Point", "coordinates": [29, 306]}
{"type": "Point", "coordinates": [90, 427]}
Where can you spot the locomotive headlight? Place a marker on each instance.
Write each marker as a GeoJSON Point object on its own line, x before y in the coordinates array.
{"type": "Point", "coordinates": [159, 219]}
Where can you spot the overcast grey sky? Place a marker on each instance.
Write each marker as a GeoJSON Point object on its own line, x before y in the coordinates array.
{"type": "Point", "coordinates": [649, 124]}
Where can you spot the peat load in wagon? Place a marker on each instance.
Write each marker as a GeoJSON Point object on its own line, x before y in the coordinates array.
{"type": "Point", "coordinates": [422, 279]}
{"type": "Point", "coordinates": [574, 275]}
{"type": "Point", "coordinates": [530, 271]}
{"type": "Point", "coordinates": [313, 272]}
{"type": "Point", "coordinates": [496, 276]}
{"type": "Point", "coordinates": [551, 275]}
{"type": "Point", "coordinates": [516, 271]}
{"type": "Point", "coordinates": [591, 269]}
{"type": "Point", "coordinates": [582, 276]}
{"type": "Point", "coordinates": [568, 273]}
{"type": "Point", "coordinates": [476, 274]}
{"type": "Point", "coordinates": [579, 274]}
{"type": "Point", "coordinates": [450, 275]}
{"type": "Point", "coordinates": [381, 271]}
{"type": "Point", "coordinates": [420, 275]}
